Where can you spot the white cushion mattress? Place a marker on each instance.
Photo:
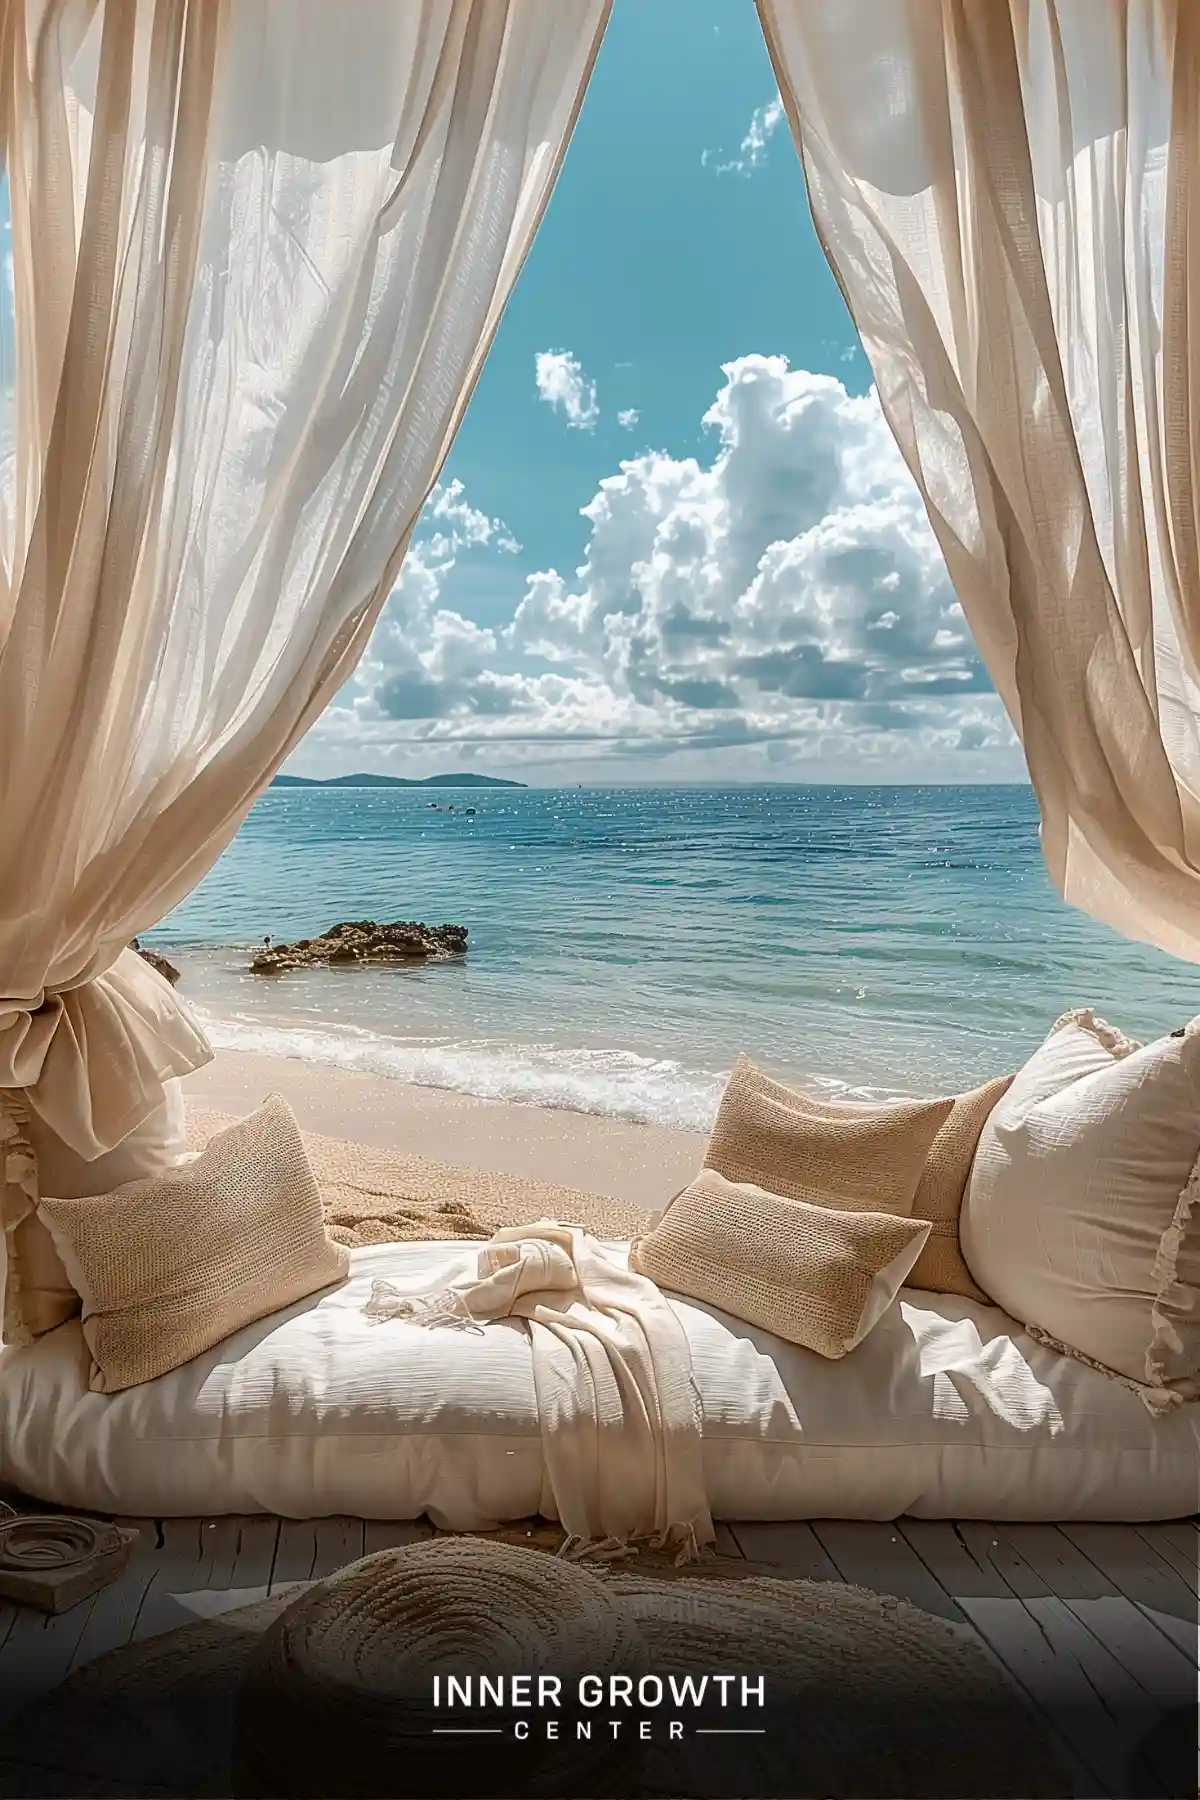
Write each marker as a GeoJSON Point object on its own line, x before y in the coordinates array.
{"type": "Point", "coordinates": [946, 1411]}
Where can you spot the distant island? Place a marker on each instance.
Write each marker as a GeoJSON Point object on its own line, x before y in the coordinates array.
{"type": "Point", "coordinates": [378, 781]}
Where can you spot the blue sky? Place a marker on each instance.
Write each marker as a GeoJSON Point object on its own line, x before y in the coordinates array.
{"type": "Point", "coordinates": [653, 270]}
{"type": "Point", "coordinates": [674, 540]}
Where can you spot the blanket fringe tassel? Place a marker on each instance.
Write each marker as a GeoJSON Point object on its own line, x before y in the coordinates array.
{"type": "Point", "coordinates": [575, 1548]}
{"type": "Point", "coordinates": [447, 1308]}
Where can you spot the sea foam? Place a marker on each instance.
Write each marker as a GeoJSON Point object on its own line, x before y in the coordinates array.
{"type": "Point", "coordinates": [616, 1083]}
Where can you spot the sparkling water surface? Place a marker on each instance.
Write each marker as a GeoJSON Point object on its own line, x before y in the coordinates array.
{"type": "Point", "coordinates": [627, 944]}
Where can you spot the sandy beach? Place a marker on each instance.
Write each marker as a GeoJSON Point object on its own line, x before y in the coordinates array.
{"type": "Point", "coordinates": [642, 1165]}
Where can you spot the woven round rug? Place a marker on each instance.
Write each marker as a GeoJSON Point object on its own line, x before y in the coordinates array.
{"type": "Point", "coordinates": [331, 1693]}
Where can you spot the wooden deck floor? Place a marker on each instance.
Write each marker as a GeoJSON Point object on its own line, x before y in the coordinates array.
{"type": "Point", "coordinates": [1098, 1623]}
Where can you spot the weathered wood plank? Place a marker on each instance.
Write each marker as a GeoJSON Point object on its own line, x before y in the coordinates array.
{"type": "Point", "coordinates": [1126, 1704]}
{"type": "Point", "coordinates": [1179, 1548]}
{"type": "Point", "coordinates": [257, 1542]}
{"type": "Point", "coordinates": [1184, 1531]}
{"type": "Point", "coordinates": [339, 1541]}
{"type": "Point", "coordinates": [1112, 1627]}
{"type": "Point", "coordinates": [115, 1609]}
{"type": "Point", "coordinates": [1153, 1661]}
{"type": "Point", "coordinates": [1184, 1534]}
{"type": "Point", "coordinates": [1083, 1598]}
{"type": "Point", "coordinates": [876, 1556]}
{"type": "Point", "coordinates": [794, 1547]}
{"type": "Point", "coordinates": [1057, 1686]}
{"type": "Point", "coordinates": [184, 1564]}
{"type": "Point", "coordinates": [247, 1553]}
{"type": "Point", "coordinates": [1062, 1566]}
{"type": "Point", "coordinates": [389, 1534]}
{"type": "Point", "coordinates": [966, 1562]}
{"type": "Point", "coordinates": [241, 1560]}
{"type": "Point", "coordinates": [38, 1653]}
{"type": "Point", "coordinates": [310, 1549]}
{"type": "Point", "coordinates": [726, 1544]}
{"type": "Point", "coordinates": [1121, 1554]}
{"type": "Point", "coordinates": [296, 1553]}
{"type": "Point", "coordinates": [992, 1548]}
{"type": "Point", "coordinates": [952, 1561]}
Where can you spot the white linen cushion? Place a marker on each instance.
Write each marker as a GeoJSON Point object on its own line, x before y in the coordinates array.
{"type": "Point", "coordinates": [1079, 1218]}
{"type": "Point", "coordinates": [946, 1411]}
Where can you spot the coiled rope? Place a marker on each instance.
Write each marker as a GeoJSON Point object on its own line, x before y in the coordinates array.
{"type": "Point", "coordinates": [35, 1542]}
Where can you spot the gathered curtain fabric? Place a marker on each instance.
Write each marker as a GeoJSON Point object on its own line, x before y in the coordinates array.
{"type": "Point", "coordinates": [258, 251]}
{"type": "Point", "coordinates": [1008, 192]}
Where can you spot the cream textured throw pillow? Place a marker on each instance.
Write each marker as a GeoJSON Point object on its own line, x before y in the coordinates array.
{"type": "Point", "coordinates": [1080, 1219]}
{"type": "Point", "coordinates": [820, 1276]}
{"type": "Point", "coordinates": [940, 1267]}
{"type": "Point", "coordinates": [866, 1157]}
{"type": "Point", "coordinates": [168, 1268]}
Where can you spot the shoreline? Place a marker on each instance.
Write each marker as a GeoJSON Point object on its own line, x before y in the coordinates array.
{"type": "Point", "coordinates": [643, 1165]}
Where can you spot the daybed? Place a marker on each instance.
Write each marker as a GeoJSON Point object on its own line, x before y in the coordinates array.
{"type": "Point", "coordinates": [947, 1410]}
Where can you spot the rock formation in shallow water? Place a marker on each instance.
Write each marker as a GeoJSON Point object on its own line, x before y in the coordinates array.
{"type": "Point", "coordinates": [165, 968]}
{"type": "Point", "coordinates": [363, 941]}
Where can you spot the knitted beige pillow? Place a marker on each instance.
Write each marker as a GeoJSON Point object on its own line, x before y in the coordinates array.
{"type": "Point", "coordinates": [169, 1267]}
{"type": "Point", "coordinates": [940, 1268]}
{"type": "Point", "coordinates": [820, 1276]}
{"type": "Point", "coordinates": [866, 1157]}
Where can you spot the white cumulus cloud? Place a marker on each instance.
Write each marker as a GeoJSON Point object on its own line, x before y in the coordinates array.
{"type": "Point", "coordinates": [628, 418]}
{"type": "Point", "coordinates": [752, 152]}
{"type": "Point", "coordinates": [777, 605]}
{"type": "Point", "coordinates": [561, 382]}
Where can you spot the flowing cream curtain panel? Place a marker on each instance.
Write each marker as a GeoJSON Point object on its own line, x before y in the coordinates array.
{"type": "Point", "coordinates": [1009, 194]}
{"type": "Point", "coordinates": [259, 250]}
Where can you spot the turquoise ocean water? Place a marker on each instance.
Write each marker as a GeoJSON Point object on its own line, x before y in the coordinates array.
{"type": "Point", "coordinates": [627, 944]}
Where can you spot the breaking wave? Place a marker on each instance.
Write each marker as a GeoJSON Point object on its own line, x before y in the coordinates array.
{"type": "Point", "coordinates": [618, 1084]}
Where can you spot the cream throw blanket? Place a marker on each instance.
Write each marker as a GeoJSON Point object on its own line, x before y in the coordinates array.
{"type": "Point", "coordinates": [619, 1410]}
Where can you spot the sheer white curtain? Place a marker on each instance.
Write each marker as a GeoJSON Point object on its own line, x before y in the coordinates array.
{"type": "Point", "coordinates": [259, 249]}
{"type": "Point", "coordinates": [1009, 194]}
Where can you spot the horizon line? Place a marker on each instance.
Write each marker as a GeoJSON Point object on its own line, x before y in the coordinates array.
{"type": "Point", "coordinates": [692, 781]}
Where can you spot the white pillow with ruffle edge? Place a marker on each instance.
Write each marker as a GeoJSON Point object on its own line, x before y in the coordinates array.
{"type": "Point", "coordinates": [1080, 1218]}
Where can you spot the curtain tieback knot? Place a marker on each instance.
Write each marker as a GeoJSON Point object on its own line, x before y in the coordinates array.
{"type": "Point", "coordinates": [92, 1059]}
